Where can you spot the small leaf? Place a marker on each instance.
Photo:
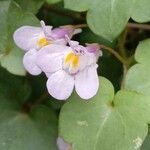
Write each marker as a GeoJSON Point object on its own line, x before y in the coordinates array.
{"type": "Point", "coordinates": [140, 12]}
{"type": "Point", "coordinates": [102, 125]}
{"type": "Point", "coordinates": [106, 18]}
{"type": "Point", "coordinates": [138, 76]}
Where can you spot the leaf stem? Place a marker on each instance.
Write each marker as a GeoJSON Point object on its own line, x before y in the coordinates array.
{"type": "Point", "coordinates": [80, 26]}
{"type": "Point", "coordinates": [41, 98]}
{"type": "Point", "coordinates": [112, 51]}
{"type": "Point", "coordinates": [28, 105]}
{"type": "Point", "coordinates": [130, 25]}
{"type": "Point", "coordinates": [121, 43]}
{"type": "Point", "coordinates": [125, 69]}
{"type": "Point", "coordinates": [140, 26]}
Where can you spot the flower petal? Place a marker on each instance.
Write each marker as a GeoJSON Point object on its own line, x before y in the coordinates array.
{"type": "Point", "coordinates": [50, 63]}
{"type": "Point", "coordinates": [61, 32]}
{"type": "Point", "coordinates": [77, 31]}
{"type": "Point", "coordinates": [46, 29]}
{"type": "Point", "coordinates": [60, 42]}
{"type": "Point", "coordinates": [29, 61]}
{"type": "Point", "coordinates": [87, 82]}
{"type": "Point", "coordinates": [60, 85]}
{"type": "Point", "coordinates": [26, 37]}
{"type": "Point", "coordinates": [50, 57]}
{"type": "Point", "coordinates": [54, 48]}
{"type": "Point", "coordinates": [48, 74]}
{"type": "Point", "coordinates": [62, 145]}
{"type": "Point", "coordinates": [87, 60]}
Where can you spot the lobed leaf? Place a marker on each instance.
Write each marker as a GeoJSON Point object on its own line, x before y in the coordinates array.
{"type": "Point", "coordinates": [137, 78]}
{"type": "Point", "coordinates": [101, 125]}
{"type": "Point", "coordinates": [105, 18]}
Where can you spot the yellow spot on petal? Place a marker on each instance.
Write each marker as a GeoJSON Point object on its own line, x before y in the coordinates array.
{"type": "Point", "coordinates": [43, 42]}
{"type": "Point", "coordinates": [72, 59]}
{"type": "Point", "coordinates": [68, 58]}
{"type": "Point", "coordinates": [75, 60]}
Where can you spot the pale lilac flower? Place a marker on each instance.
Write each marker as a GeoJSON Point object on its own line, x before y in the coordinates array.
{"type": "Point", "coordinates": [31, 39]}
{"type": "Point", "coordinates": [69, 67]}
{"type": "Point", "coordinates": [62, 145]}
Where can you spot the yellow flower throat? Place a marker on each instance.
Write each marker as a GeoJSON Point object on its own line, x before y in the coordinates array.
{"type": "Point", "coordinates": [42, 42]}
{"type": "Point", "coordinates": [72, 59]}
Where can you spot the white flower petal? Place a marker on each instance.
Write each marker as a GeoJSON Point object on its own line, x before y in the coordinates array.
{"type": "Point", "coordinates": [87, 82]}
{"type": "Point", "coordinates": [54, 48]}
{"type": "Point", "coordinates": [48, 74]}
{"type": "Point", "coordinates": [87, 60]}
{"type": "Point", "coordinates": [50, 58]}
{"type": "Point", "coordinates": [77, 31]}
{"type": "Point", "coordinates": [26, 37]}
{"type": "Point", "coordinates": [50, 63]}
{"type": "Point", "coordinates": [60, 85]}
{"type": "Point", "coordinates": [60, 41]}
{"type": "Point", "coordinates": [29, 61]}
{"type": "Point", "coordinates": [62, 145]}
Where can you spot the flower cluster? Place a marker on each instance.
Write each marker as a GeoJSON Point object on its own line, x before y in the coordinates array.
{"type": "Point", "coordinates": [66, 63]}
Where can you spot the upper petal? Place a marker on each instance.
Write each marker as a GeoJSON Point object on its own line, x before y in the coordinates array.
{"type": "Point", "coordinates": [54, 48]}
{"type": "Point", "coordinates": [29, 61]}
{"type": "Point", "coordinates": [61, 32]}
{"type": "Point", "coordinates": [62, 145]}
{"type": "Point", "coordinates": [50, 63]}
{"type": "Point", "coordinates": [26, 37]}
{"type": "Point", "coordinates": [60, 85]}
{"type": "Point", "coordinates": [50, 57]}
{"type": "Point", "coordinates": [86, 60]}
{"type": "Point", "coordinates": [87, 82]}
{"type": "Point", "coordinates": [60, 42]}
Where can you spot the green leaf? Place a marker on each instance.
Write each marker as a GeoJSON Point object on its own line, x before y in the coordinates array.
{"type": "Point", "coordinates": [140, 12]}
{"type": "Point", "coordinates": [13, 62]}
{"type": "Point", "coordinates": [21, 131]}
{"type": "Point", "coordinates": [12, 17]}
{"type": "Point", "coordinates": [102, 125]}
{"type": "Point", "coordinates": [13, 87]}
{"type": "Point", "coordinates": [87, 36]}
{"type": "Point", "coordinates": [106, 18]}
{"type": "Point", "coordinates": [146, 144]}
{"type": "Point", "coordinates": [30, 5]}
{"type": "Point", "coordinates": [138, 76]}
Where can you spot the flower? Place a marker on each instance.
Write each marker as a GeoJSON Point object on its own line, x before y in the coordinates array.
{"type": "Point", "coordinates": [31, 39]}
{"type": "Point", "coordinates": [62, 145]}
{"type": "Point", "coordinates": [68, 67]}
